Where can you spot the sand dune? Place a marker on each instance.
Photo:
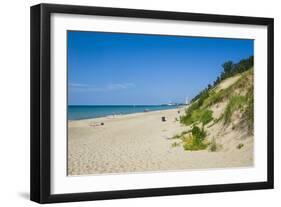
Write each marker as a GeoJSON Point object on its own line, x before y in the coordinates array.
{"type": "Point", "coordinates": [142, 142]}
{"type": "Point", "coordinates": [227, 82]}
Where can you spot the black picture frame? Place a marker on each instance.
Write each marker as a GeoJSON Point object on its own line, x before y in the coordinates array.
{"type": "Point", "coordinates": [40, 184]}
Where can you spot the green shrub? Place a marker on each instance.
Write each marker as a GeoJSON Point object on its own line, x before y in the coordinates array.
{"type": "Point", "coordinates": [193, 144]}
{"type": "Point", "coordinates": [202, 98]}
{"type": "Point", "coordinates": [197, 104]}
{"type": "Point", "coordinates": [194, 106]}
{"type": "Point", "coordinates": [198, 133]}
{"type": "Point", "coordinates": [206, 117]}
{"type": "Point", "coordinates": [195, 141]}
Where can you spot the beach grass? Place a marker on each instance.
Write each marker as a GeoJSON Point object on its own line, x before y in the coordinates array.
{"type": "Point", "coordinates": [235, 103]}
{"type": "Point", "coordinates": [249, 111]}
{"type": "Point", "coordinates": [197, 115]}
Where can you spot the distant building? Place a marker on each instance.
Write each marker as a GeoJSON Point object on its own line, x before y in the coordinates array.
{"type": "Point", "coordinates": [186, 101]}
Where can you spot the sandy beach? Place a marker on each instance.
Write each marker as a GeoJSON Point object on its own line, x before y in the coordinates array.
{"type": "Point", "coordinates": [142, 142]}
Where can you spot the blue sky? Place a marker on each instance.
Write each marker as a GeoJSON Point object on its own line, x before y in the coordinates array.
{"type": "Point", "coordinates": [125, 69]}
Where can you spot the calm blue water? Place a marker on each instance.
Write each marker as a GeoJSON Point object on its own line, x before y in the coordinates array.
{"type": "Point", "coordinates": [86, 112]}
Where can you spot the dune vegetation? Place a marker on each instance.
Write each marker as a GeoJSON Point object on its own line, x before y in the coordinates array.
{"type": "Point", "coordinates": [224, 108]}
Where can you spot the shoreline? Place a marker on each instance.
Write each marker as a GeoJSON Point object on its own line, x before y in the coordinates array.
{"type": "Point", "coordinates": [125, 114]}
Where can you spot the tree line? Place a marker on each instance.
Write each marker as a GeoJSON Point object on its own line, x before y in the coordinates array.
{"type": "Point", "coordinates": [229, 69]}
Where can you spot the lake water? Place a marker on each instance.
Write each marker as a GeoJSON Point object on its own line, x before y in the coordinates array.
{"type": "Point", "coordinates": [86, 112]}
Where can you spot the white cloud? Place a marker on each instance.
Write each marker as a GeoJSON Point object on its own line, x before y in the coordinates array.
{"type": "Point", "coordinates": [109, 87]}
{"type": "Point", "coordinates": [77, 85]}
{"type": "Point", "coordinates": [118, 86]}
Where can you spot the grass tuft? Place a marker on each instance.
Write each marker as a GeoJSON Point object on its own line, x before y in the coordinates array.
{"type": "Point", "coordinates": [178, 136]}
{"type": "Point", "coordinates": [199, 115]}
{"type": "Point", "coordinates": [176, 144]}
{"type": "Point", "coordinates": [213, 145]}
{"type": "Point", "coordinates": [239, 146]}
{"type": "Point", "coordinates": [235, 103]}
{"type": "Point", "coordinates": [249, 112]}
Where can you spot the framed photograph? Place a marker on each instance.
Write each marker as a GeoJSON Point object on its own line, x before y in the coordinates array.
{"type": "Point", "coordinates": [133, 103]}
